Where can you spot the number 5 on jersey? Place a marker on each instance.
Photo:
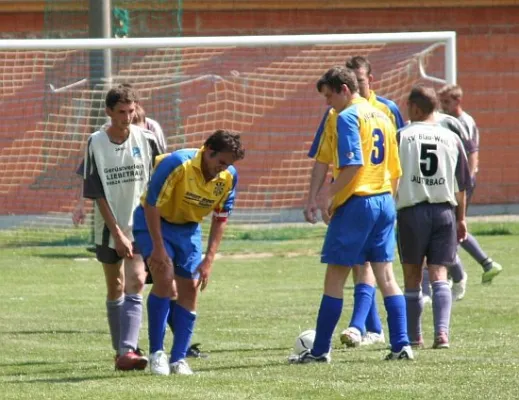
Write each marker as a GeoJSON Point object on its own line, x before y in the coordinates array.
{"type": "Point", "coordinates": [428, 159]}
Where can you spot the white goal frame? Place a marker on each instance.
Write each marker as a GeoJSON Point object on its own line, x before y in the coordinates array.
{"type": "Point", "coordinates": [448, 38]}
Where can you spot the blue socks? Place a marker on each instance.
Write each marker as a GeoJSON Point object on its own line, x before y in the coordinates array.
{"type": "Point", "coordinates": [363, 301]}
{"type": "Point", "coordinates": [184, 322]}
{"type": "Point", "coordinates": [396, 321]}
{"type": "Point", "coordinates": [158, 309]}
{"type": "Point", "coordinates": [373, 323]}
{"type": "Point", "coordinates": [327, 319]}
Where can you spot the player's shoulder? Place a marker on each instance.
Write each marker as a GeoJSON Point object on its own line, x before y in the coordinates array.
{"type": "Point", "coordinates": [389, 103]}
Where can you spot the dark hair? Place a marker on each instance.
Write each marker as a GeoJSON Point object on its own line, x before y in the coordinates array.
{"type": "Point", "coordinates": [335, 77]}
{"type": "Point", "coordinates": [124, 93]}
{"type": "Point", "coordinates": [222, 141]}
{"type": "Point", "coordinates": [140, 115]}
{"type": "Point", "coordinates": [358, 62]}
{"type": "Point", "coordinates": [424, 98]}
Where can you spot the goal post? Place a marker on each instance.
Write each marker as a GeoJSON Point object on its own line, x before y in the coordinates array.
{"type": "Point", "coordinates": [260, 86]}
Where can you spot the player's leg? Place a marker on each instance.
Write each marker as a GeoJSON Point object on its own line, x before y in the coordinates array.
{"type": "Point", "coordinates": [441, 305]}
{"type": "Point", "coordinates": [414, 232]}
{"type": "Point", "coordinates": [426, 286]}
{"type": "Point", "coordinates": [131, 314]}
{"type": "Point", "coordinates": [363, 305]}
{"type": "Point", "coordinates": [187, 242]}
{"type": "Point", "coordinates": [441, 252]}
{"type": "Point", "coordinates": [372, 332]}
{"type": "Point", "coordinates": [490, 268]}
{"type": "Point", "coordinates": [459, 278]}
{"type": "Point", "coordinates": [340, 249]}
{"type": "Point", "coordinates": [114, 278]}
{"type": "Point", "coordinates": [380, 249]}
{"type": "Point", "coordinates": [157, 303]}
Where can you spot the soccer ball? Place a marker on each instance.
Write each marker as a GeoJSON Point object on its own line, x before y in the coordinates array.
{"type": "Point", "coordinates": [305, 341]}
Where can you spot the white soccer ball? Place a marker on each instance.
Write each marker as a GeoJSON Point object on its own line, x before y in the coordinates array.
{"type": "Point", "coordinates": [305, 341]}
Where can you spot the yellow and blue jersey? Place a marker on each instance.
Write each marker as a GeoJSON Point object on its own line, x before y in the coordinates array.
{"type": "Point", "coordinates": [363, 136]}
{"type": "Point", "coordinates": [388, 107]}
{"type": "Point", "coordinates": [329, 124]}
{"type": "Point", "coordinates": [180, 192]}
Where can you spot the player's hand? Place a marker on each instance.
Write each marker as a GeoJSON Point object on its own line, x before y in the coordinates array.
{"type": "Point", "coordinates": [325, 214]}
{"type": "Point", "coordinates": [204, 269]}
{"type": "Point", "coordinates": [461, 228]}
{"type": "Point", "coordinates": [310, 212]}
{"type": "Point", "coordinates": [123, 246]}
{"type": "Point", "coordinates": [78, 215]}
{"type": "Point", "coordinates": [159, 259]}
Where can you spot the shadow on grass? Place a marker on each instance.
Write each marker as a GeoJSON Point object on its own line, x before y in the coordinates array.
{"type": "Point", "coordinates": [64, 255]}
{"type": "Point", "coordinates": [54, 332]}
{"type": "Point", "coordinates": [248, 350]}
{"type": "Point", "coordinates": [66, 380]}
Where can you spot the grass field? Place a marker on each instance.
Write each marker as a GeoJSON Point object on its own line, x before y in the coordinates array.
{"type": "Point", "coordinates": [55, 343]}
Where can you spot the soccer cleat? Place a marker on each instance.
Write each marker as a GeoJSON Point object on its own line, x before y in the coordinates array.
{"type": "Point", "coordinates": [373, 338]}
{"type": "Point", "coordinates": [351, 337]}
{"type": "Point", "coordinates": [130, 361]}
{"type": "Point", "coordinates": [405, 354]}
{"type": "Point", "coordinates": [307, 357]}
{"type": "Point", "coordinates": [459, 288]}
{"type": "Point", "coordinates": [441, 341]}
{"type": "Point", "coordinates": [194, 352]}
{"type": "Point", "coordinates": [180, 367]}
{"type": "Point", "coordinates": [488, 276]}
{"type": "Point", "coordinates": [418, 343]}
{"type": "Point", "coordinates": [159, 364]}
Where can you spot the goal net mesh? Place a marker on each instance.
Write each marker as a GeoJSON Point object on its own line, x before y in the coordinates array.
{"type": "Point", "coordinates": [48, 109]}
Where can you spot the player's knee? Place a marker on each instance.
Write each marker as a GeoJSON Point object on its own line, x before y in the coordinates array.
{"type": "Point", "coordinates": [135, 283]}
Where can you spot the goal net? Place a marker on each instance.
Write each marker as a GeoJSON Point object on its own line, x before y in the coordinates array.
{"type": "Point", "coordinates": [262, 87]}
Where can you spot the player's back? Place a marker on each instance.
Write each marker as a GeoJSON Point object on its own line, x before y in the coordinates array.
{"type": "Point", "coordinates": [388, 107]}
{"type": "Point", "coordinates": [378, 148]}
{"type": "Point", "coordinates": [429, 156]}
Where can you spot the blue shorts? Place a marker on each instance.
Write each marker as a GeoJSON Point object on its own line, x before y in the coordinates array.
{"type": "Point", "coordinates": [361, 230]}
{"type": "Point", "coordinates": [183, 243]}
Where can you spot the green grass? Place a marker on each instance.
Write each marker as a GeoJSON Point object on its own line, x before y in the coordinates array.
{"type": "Point", "coordinates": [55, 342]}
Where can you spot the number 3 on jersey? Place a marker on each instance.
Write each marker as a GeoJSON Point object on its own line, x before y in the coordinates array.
{"type": "Point", "coordinates": [377, 154]}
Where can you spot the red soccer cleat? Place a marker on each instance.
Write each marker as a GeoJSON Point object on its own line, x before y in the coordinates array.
{"type": "Point", "coordinates": [131, 361]}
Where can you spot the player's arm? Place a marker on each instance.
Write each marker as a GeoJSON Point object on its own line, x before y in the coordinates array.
{"type": "Point", "coordinates": [463, 181]}
{"type": "Point", "coordinates": [78, 214]}
{"type": "Point", "coordinates": [218, 224]}
{"type": "Point", "coordinates": [321, 152]}
{"type": "Point", "coordinates": [349, 150]}
{"type": "Point", "coordinates": [394, 166]}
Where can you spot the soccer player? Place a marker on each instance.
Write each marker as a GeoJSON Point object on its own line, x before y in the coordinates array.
{"type": "Point", "coordinates": [450, 99]}
{"type": "Point", "coordinates": [147, 123]}
{"type": "Point", "coordinates": [431, 210]}
{"type": "Point", "coordinates": [139, 119]}
{"type": "Point", "coordinates": [369, 331]}
{"type": "Point", "coordinates": [117, 167]}
{"type": "Point", "coordinates": [361, 213]}
{"type": "Point", "coordinates": [186, 186]}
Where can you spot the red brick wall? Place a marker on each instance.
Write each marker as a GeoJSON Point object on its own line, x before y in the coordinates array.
{"type": "Point", "coordinates": [488, 67]}
{"type": "Point", "coordinates": [488, 61]}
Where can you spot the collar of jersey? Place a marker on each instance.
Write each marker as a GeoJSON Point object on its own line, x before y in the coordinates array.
{"type": "Point", "coordinates": [358, 100]}
{"type": "Point", "coordinates": [197, 159]}
{"type": "Point", "coordinates": [372, 97]}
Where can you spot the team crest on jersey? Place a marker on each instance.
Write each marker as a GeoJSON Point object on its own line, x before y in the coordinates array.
{"type": "Point", "coordinates": [218, 188]}
{"type": "Point", "coordinates": [136, 152]}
